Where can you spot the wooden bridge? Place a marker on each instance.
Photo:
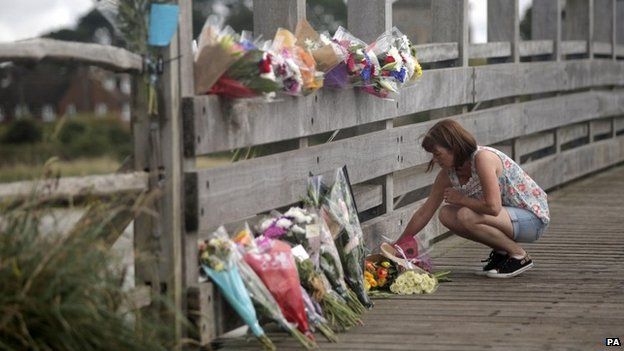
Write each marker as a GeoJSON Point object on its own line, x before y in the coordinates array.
{"type": "Point", "coordinates": [571, 300]}
{"type": "Point", "coordinates": [555, 103]}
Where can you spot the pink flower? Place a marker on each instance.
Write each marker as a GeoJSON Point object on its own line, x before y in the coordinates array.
{"type": "Point", "coordinates": [536, 192]}
{"type": "Point", "coordinates": [521, 187]}
{"type": "Point", "coordinates": [511, 190]}
{"type": "Point", "coordinates": [536, 209]}
{"type": "Point", "coordinates": [507, 163]}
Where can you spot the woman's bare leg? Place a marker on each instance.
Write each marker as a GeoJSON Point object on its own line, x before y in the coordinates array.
{"type": "Point", "coordinates": [493, 231]}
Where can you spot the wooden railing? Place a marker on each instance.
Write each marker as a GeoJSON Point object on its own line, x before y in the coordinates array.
{"type": "Point", "coordinates": [544, 102]}
{"type": "Point", "coordinates": [554, 103]}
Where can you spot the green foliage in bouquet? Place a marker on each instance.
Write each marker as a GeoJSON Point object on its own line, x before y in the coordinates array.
{"type": "Point", "coordinates": [62, 291]}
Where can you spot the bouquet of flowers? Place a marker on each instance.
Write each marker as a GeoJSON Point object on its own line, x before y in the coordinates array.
{"type": "Point", "coordinates": [230, 64]}
{"type": "Point", "coordinates": [359, 67]}
{"type": "Point", "coordinates": [263, 300]}
{"type": "Point", "coordinates": [397, 57]}
{"type": "Point", "coordinates": [217, 49]}
{"type": "Point", "coordinates": [294, 67]}
{"type": "Point", "coordinates": [379, 272]}
{"type": "Point", "coordinates": [329, 258]}
{"type": "Point", "coordinates": [340, 205]}
{"type": "Point", "coordinates": [274, 264]}
{"type": "Point", "coordinates": [412, 282]}
{"type": "Point", "coordinates": [217, 261]}
{"type": "Point", "coordinates": [326, 53]}
{"type": "Point", "coordinates": [304, 230]}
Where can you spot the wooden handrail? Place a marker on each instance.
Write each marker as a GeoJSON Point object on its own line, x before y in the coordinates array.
{"type": "Point", "coordinates": [109, 57]}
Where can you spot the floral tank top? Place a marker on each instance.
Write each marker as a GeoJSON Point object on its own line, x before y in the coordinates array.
{"type": "Point", "coordinates": [516, 187]}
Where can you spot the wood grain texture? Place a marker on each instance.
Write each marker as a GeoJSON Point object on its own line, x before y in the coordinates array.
{"type": "Point", "coordinates": [571, 298]}
{"type": "Point", "coordinates": [69, 187]}
{"type": "Point", "coordinates": [240, 189]}
{"type": "Point", "coordinates": [105, 56]}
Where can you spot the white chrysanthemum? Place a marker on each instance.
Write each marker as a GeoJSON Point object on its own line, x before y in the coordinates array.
{"type": "Point", "coordinates": [297, 229]}
{"type": "Point", "coordinates": [266, 224]}
{"type": "Point", "coordinates": [284, 223]}
{"type": "Point", "coordinates": [300, 215]}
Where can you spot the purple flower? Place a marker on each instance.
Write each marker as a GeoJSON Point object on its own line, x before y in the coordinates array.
{"type": "Point", "coordinates": [337, 77]}
{"type": "Point", "coordinates": [274, 232]}
{"type": "Point", "coordinates": [400, 75]}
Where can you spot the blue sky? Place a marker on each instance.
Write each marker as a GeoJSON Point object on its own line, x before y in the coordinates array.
{"type": "Point", "coordinates": [22, 19]}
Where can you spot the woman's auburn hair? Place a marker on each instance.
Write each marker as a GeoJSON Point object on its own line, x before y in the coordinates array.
{"type": "Point", "coordinates": [452, 136]}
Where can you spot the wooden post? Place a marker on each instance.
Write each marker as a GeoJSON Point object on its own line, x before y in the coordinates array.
{"type": "Point", "coordinates": [367, 19]}
{"type": "Point", "coordinates": [501, 28]}
{"type": "Point", "coordinates": [269, 15]}
{"type": "Point", "coordinates": [546, 24]}
{"type": "Point", "coordinates": [603, 21]}
{"type": "Point", "coordinates": [619, 22]}
{"type": "Point", "coordinates": [450, 24]}
{"type": "Point", "coordinates": [579, 22]}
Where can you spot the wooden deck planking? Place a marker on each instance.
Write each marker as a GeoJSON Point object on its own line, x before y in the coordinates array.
{"type": "Point", "coordinates": [571, 300]}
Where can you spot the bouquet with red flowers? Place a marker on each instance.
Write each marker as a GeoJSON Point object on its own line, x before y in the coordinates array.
{"type": "Point", "coordinates": [360, 66]}
{"type": "Point", "coordinates": [397, 57]}
{"type": "Point", "coordinates": [231, 65]}
{"type": "Point", "coordinates": [274, 264]}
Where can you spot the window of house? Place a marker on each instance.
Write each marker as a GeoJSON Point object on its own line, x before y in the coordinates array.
{"type": "Point", "coordinates": [126, 85]}
{"type": "Point", "coordinates": [21, 111]}
{"type": "Point", "coordinates": [101, 109]}
{"type": "Point", "coordinates": [71, 110]}
{"type": "Point", "coordinates": [125, 112]}
{"type": "Point", "coordinates": [110, 83]}
{"type": "Point", "coordinates": [47, 113]}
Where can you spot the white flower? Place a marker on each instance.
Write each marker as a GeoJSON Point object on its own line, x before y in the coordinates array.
{"type": "Point", "coordinates": [266, 224]}
{"type": "Point", "coordinates": [284, 223]}
{"type": "Point", "coordinates": [394, 52]}
{"type": "Point", "coordinates": [299, 215]}
{"type": "Point", "coordinates": [297, 229]}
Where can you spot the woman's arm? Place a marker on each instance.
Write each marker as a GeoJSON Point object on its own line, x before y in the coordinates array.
{"type": "Point", "coordinates": [486, 164]}
{"type": "Point", "coordinates": [423, 215]}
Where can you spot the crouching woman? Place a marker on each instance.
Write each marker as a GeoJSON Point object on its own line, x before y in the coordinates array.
{"type": "Point", "coordinates": [487, 198]}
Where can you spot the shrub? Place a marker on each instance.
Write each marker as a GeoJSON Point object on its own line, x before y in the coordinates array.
{"type": "Point", "coordinates": [23, 131]}
{"type": "Point", "coordinates": [62, 291]}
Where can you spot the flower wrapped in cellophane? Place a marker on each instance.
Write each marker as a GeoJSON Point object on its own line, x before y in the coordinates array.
{"type": "Point", "coordinates": [217, 49]}
{"type": "Point", "coordinates": [326, 53]}
{"type": "Point", "coordinates": [306, 230]}
{"type": "Point", "coordinates": [274, 264]}
{"type": "Point", "coordinates": [293, 66]}
{"type": "Point", "coordinates": [231, 65]}
{"type": "Point", "coordinates": [360, 66]}
{"type": "Point", "coordinates": [399, 65]}
{"type": "Point", "coordinates": [342, 212]}
{"type": "Point", "coordinates": [218, 262]}
{"type": "Point", "coordinates": [265, 303]}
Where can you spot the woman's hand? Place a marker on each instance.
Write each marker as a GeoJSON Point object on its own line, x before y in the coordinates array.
{"type": "Point", "coordinates": [453, 196]}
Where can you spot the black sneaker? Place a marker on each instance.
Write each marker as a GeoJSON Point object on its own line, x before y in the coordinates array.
{"type": "Point", "coordinates": [512, 267]}
{"type": "Point", "coordinates": [493, 262]}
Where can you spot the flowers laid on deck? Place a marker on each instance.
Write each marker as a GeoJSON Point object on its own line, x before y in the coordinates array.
{"type": "Point", "coordinates": [306, 268]}
{"type": "Point", "coordinates": [236, 66]}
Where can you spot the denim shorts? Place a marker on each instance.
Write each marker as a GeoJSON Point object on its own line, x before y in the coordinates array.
{"type": "Point", "coordinates": [527, 227]}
